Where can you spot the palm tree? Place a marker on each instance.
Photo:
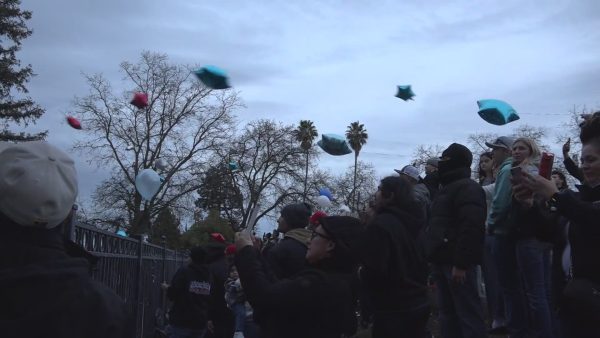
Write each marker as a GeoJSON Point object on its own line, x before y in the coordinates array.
{"type": "Point", "coordinates": [357, 137]}
{"type": "Point", "coordinates": [306, 133]}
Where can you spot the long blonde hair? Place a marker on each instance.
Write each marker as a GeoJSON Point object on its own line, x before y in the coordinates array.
{"type": "Point", "coordinates": [535, 153]}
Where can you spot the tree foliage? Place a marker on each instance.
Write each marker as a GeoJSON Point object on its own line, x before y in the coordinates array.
{"type": "Point", "coordinates": [200, 231]}
{"type": "Point", "coordinates": [15, 106]}
{"type": "Point", "coordinates": [167, 225]}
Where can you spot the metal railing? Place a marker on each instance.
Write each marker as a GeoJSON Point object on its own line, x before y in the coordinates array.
{"type": "Point", "coordinates": [132, 268]}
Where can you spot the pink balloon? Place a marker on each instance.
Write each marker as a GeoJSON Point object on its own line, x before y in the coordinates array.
{"type": "Point", "coordinates": [140, 100]}
{"type": "Point", "coordinates": [73, 122]}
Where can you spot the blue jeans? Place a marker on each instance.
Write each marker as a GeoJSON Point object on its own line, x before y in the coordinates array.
{"type": "Point", "coordinates": [493, 294]}
{"type": "Point", "coordinates": [504, 252]}
{"type": "Point", "coordinates": [533, 258]}
{"type": "Point", "coordinates": [460, 309]}
{"type": "Point", "coordinates": [239, 314]}
{"type": "Point", "coordinates": [181, 332]}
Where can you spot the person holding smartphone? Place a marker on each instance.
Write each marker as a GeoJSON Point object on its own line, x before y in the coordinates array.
{"type": "Point", "coordinates": [532, 245]}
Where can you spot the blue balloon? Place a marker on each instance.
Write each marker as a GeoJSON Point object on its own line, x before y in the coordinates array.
{"type": "Point", "coordinates": [213, 77]}
{"type": "Point", "coordinates": [405, 93]}
{"type": "Point", "coordinates": [497, 112]}
{"type": "Point", "coordinates": [325, 192]}
{"type": "Point", "coordinates": [148, 183]}
{"type": "Point", "coordinates": [334, 145]}
{"type": "Point", "coordinates": [122, 233]}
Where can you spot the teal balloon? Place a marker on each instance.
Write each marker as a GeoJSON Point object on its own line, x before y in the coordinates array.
{"type": "Point", "coordinates": [233, 166]}
{"type": "Point", "coordinates": [147, 183]}
{"type": "Point", "coordinates": [334, 145]}
{"type": "Point", "coordinates": [497, 112]}
{"type": "Point", "coordinates": [122, 233]}
{"type": "Point", "coordinates": [213, 77]}
{"type": "Point", "coordinates": [405, 93]}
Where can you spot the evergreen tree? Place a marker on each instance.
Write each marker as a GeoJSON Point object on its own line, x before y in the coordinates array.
{"type": "Point", "coordinates": [166, 224]}
{"type": "Point", "coordinates": [15, 108]}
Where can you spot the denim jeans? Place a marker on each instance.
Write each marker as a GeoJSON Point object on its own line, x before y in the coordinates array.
{"type": "Point", "coordinates": [493, 294]}
{"type": "Point", "coordinates": [533, 258]}
{"type": "Point", "coordinates": [504, 252]}
{"type": "Point", "coordinates": [239, 314]}
{"type": "Point", "coordinates": [460, 309]}
{"type": "Point", "coordinates": [181, 332]}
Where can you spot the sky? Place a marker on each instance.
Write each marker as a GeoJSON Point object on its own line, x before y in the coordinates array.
{"type": "Point", "coordinates": [333, 62]}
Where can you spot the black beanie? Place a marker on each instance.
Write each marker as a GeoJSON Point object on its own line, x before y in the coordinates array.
{"type": "Point", "coordinates": [458, 156]}
{"type": "Point", "coordinates": [347, 232]}
{"type": "Point", "coordinates": [296, 215]}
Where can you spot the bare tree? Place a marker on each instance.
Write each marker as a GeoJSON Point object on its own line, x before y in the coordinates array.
{"type": "Point", "coordinates": [425, 152]}
{"type": "Point", "coordinates": [366, 186]}
{"type": "Point", "coordinates": [270, 163]}
{"type": "Point", "coordinates": [183, 124]}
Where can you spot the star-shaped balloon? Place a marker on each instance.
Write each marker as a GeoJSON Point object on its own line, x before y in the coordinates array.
{"type": "Point", "coordinates": [405, 93]}
{"type": "Point", "coordinates": [213, 77]}
{"type": "Point", "coordinates": [73, 122]}
{"type": "Point", "coordinates": [140, 100]}
{"type": "Point", "coordinates": [497, 112]}
{"type": "Point", "coordinates": [334, 145]}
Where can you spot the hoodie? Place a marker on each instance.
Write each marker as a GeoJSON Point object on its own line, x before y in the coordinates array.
{"type": "Point", "coordinates": [46, 293]}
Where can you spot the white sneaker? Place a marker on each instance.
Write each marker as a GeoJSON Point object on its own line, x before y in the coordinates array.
{"type": "Point", "coordinates": [238, 334]}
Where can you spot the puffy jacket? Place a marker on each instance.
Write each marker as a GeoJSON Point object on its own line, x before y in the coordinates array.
{"type": "Point", "coordinates": [46, 293]}
{"type": "Point", "coordinates": [317, 302]}
{"type": "Point", "coordinates": [394, 270]}
{"type": "Point", "coordinates": [456, 227]}
{"type": "Point", "coordinates": [287, 257]}
{"type": "Point", "coordinates": [190, 293]}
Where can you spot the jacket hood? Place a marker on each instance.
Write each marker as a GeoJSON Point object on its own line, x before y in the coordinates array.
{"type": "Point", "coordinates": [454, 175]}
{"type": "Point", "coordinates": [412, 222]}
{"type": "Point", "coordinates": [301, 235]}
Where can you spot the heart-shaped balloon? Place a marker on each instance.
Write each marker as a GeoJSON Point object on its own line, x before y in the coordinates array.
{"type": "Point", "coordinates": [147, 183]}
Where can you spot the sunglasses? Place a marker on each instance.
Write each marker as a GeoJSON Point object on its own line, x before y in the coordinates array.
{"type": "Point", "coordinates": [315, 234]}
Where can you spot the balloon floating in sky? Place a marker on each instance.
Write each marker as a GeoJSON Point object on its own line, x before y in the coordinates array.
{"type": "Point", "coordinates": [334, 145]}
{"type": "Point", "coordinates": [213, 77]}
{"type": "Point", "coordinates": [147, 183]}
{"type": "Point", "coordinates": [325, 192]}
{"type": "Point", "coordinates": [497, 112]}
{"type": "Point", "coordinates": [405, 93]}
{"type": "Point", "coordinates": [73, 122]}
{"type": "Point", "coordinates": [323, 201]}
{"type": "Point", "coordinates": [233, 165]}
{"type": "Point", "coordinates": [140, 100]}
{"type": "Point", "coordinates": [161, 164]}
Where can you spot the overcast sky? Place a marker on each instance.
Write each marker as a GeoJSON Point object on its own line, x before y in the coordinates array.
{"type": "Point", "coordinates": [334, 62]}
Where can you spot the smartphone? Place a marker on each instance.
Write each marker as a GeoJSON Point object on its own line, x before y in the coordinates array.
{"type": "Point", "coordinates": [546, 165]}
{"type": "Point", "coordinates": [517, 174]}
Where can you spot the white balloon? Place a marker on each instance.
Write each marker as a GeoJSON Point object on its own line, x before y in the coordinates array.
{"type": "Point", "coordinates": [323, 201]}
{"type": "Point", "coordinates": [344, 208]}
{"type": "Point", "coordinates": [161, 164]}
{"type": "Point", "coordinates": [147, 183]}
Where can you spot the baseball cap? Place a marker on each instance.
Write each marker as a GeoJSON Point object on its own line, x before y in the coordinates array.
{"type": "Point", "coordinates": [38, 184]}
{"type": "Point", "coordinates": [410, 171]}
{"type": "Point", "coordinates": [502, 142]}
{"type": "Point", "coordinates": [433, 161]}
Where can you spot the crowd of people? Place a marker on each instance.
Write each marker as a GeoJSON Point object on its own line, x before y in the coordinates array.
{"type": "Point", "coordinates": [532, 242]}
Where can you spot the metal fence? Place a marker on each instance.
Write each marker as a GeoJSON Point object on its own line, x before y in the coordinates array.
{"type": "Point", "coordinates": [134, 269]}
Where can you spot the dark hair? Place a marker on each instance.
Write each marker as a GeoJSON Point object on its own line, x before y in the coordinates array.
{"type": "Point", "coordinates": [562, 177]}
{"type": "Point", "coordinates": [403, 193]}
{"type": "Point", "coordinates": [346, 232]}
{"type": "Point", "coordinates": [590, 129]}
{"type": "Point", "coordinates": [480, 173]}
{"type": "Point", "coordinates": [296, 215]}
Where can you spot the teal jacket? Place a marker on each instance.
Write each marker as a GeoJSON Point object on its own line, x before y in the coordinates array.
{"type": "Point", "coordinates": [499, 209]}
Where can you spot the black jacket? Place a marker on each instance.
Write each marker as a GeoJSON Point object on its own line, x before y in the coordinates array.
{"type": "Point", "coordinates": [190, 293]}
{"type": "Point", "coordinates": [583, 213]}
{"type": "Point", "coordinates": [316, 302]}
{"type": "Point", "coordinates": [287, 257]}
{"type": "Point", "coordinates": [219, 313]}
{"type": "Point", "coordinates": [573, 169]}
{"type": "Point", "coordinates": [457, 223]}
{"type": "Point", "coordinates": [46, 293]}
{"type": "Point", "coordinates": [533, 222]}
{"type": "Point", "coordinates": [432, 182]}
{"type": "Point", "coordinates": [394, 270]}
